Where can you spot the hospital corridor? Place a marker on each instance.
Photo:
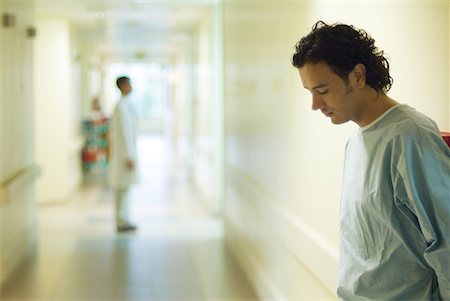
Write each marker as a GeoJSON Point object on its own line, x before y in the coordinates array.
{"type": "Point", "coordinates": [239, 176]}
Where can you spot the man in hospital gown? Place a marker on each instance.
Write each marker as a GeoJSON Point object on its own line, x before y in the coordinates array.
{"type": "Point", "coordinates": [123, 154]}
{"type": "Point", "coordinates": [395, 206]}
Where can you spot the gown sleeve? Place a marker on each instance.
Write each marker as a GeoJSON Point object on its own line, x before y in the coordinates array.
{"type": "Point", "coordinates": [420, 174]}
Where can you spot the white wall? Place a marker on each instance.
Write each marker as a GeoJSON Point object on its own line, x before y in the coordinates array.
{"type": "Point", "coordinates": [90, 77]}
{"type": "Point", "coordinates": [284, 161]}
{"type": "Point", "coordinates": [203, 105]}
{"type": "Point", "coordinates": [183, 106]}
{"type": "Point", "coordinates": [208, 111]}
{"type": "Point", "coordinates": [58, 140]}
{"type": "Point", "coordinates": [17, 209]}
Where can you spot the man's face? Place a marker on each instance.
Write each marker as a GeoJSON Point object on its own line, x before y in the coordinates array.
{"type": "Point", "coordinates": [126, 88]}
{"type": "Point", "coordinates": [335, 98]}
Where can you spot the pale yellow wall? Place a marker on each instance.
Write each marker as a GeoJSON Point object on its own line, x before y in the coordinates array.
{"type": "Point", "coordinates": [58, 140]}
{"type": "Point", "coordinates": [277, 177]}
{"type": "Point", "coordinates": [284, 161]}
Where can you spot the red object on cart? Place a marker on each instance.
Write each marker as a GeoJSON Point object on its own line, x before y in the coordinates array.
{"type": "Point", "coordinates": [89, 155]}
{"type": "Point", "coordinates": [446, 136]}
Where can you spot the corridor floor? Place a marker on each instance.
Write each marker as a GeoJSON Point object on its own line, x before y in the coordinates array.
{"type": "Point", "coordinates": [178, 253]}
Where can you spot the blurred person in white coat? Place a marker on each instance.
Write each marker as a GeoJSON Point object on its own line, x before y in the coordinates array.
{"type": "Point", "coordinates": [123, 154]}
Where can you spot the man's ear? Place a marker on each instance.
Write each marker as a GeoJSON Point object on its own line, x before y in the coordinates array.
{"type": "Point", "coordinates": [358, 75]}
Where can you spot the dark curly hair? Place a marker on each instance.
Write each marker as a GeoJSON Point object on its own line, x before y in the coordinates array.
{"type": "Point", "coordinates": [342, 47]}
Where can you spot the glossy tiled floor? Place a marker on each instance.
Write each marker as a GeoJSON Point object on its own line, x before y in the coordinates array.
{"type": "Point", "coordinates": [177, 254]}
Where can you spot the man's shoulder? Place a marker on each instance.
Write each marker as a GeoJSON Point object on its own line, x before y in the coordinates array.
{"type": "Point", "coordinates": [407, 113]}
{"type": "Point", "coordinates": [413, 130]}
{"type": "Point", "coordinates": [406, 122]}
{"type": "Point", "coordinates": [120, 104]}
{"type": "Point", "coordinates": [401, 125]}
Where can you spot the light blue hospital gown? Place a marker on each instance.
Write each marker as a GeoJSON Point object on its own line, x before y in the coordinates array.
{"type": "Point", "coordinates": [395, 211]}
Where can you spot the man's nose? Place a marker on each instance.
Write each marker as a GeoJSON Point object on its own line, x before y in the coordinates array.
{"type": "Point", "coordinates": [317, 102]}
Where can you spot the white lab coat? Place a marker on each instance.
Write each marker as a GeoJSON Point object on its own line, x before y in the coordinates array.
{"type": "Point", "coordinates": [124, 131]}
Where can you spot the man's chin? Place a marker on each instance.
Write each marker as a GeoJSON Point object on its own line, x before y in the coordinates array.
{"type": "Point", "coordinates": [337, 121]}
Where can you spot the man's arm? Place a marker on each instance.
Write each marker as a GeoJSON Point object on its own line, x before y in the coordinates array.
{"type": "Point", "coordinates": [423, 171]}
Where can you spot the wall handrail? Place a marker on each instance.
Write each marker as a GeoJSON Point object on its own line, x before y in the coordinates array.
{"type": "Point", "coordinates": [18, 181]}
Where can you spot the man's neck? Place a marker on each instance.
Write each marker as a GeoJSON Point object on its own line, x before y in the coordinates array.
{"type": "Point", "coordinates": [376, 104]}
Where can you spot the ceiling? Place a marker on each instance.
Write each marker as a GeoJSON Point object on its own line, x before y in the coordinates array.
{"type": "Point", "coordinates": [133, 27]}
